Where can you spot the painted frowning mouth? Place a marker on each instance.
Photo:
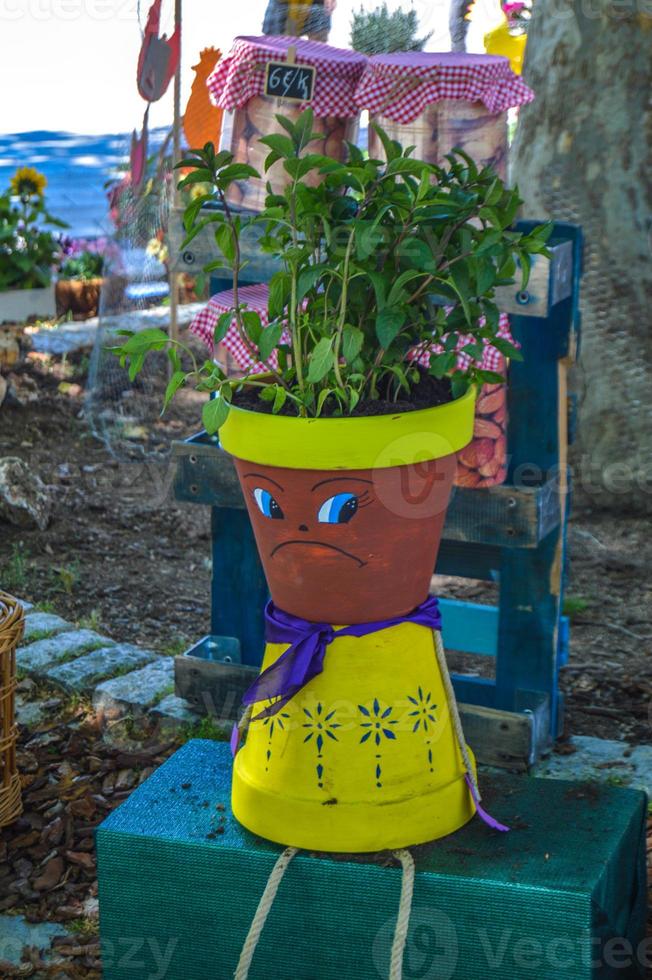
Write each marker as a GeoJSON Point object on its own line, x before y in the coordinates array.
{"type": "Point", "coordinates": [319, 544]}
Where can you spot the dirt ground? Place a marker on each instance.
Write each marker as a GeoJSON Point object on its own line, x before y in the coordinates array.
{"type": "Point", "coordinates": [122, 555]}
{"type": "Point", "coordinates": [119, 553]}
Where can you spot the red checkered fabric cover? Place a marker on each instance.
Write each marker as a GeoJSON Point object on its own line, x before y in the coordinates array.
{"type": "Point", "coordinates": [401, 85]}
{"type": "Point", "coordinates": [204, 323]}
{"type": "Point", "coordinates": [492, 359]}
{"type": "Point", "coordinates": [255, 298]}
{"type": "Point", "coordinates": [241, 75]}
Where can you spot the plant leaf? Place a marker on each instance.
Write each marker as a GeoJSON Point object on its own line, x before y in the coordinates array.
{"type": "Point", "coordinates": [321, 360]}
{"type": "Point", "coordinates": [176, 381]}
{"type": "Point", "coordinates": [352, 340]}
{"type": "Point", "coordinates": [222, 326]}
{"type": "Point", "coordinates": [388, 325]}
{"type": "Point", "coordinates": [280, 397]}
{"type": "Point", "coordinates": [224, 240]}
{"type": "Point", "coordinates": [214, 413]}
{"type": "Point", "coordinates": [401, 281]}
{"type": "Point", "coordinates": [253, 326]}
{"type": "Point", "coordinates": [279, 292]}
{"type": "Point", "coordinates": [145, 340]}
{"type": "Point", "coordinates": [237, 171]}
{"type": "Point", "coordinates": [308, 279]}
{"type": "Point", "coordinates": [280, 144]}
{"type": "Point", "coordinates": [323, 395]}
{"type": "Point", "coordinates": [269, 338]}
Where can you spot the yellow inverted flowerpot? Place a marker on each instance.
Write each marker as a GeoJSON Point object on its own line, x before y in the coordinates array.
{"type": "Point", "coordinates": [362, 753]}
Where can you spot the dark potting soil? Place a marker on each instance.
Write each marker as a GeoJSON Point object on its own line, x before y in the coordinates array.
{"type": "Point", "coordinates": [428, 393]}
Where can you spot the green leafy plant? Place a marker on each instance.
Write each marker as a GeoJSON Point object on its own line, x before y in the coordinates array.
{"type": "Point", "coordinates": [67, 577]}
{"type": "Point", "coordinates": [380, 32]}
{"type": "Point", "coordinates": [28, 251]}
{"type": "Point", "coordinates": [373, 255]}
{"type": "Point", "coordinates": [85, 265]}
{"type": "Point", "coordinates": [91, 622]}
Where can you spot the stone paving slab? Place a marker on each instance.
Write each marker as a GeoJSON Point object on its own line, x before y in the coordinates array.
{"type": "Point", "coordinates": [601, 760]}
{"type": "Point", "coordinates": [40, 625]}
{"type": "Point", "coordinates": [135, 693]}
{"type": "Point", "coordinates": [36, 657]}
{"type": "Point", "coordinates": [85, 673]}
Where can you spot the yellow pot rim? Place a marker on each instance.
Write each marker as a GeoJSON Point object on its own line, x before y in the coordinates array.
{"type": "Point", "coordinates": [351, 443]}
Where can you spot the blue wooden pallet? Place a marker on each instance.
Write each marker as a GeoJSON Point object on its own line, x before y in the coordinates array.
{"type": "Point", "coordinates": [514, 534]}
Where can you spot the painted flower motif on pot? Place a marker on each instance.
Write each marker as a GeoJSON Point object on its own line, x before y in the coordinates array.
{"type": "Point", "coordinates": [424, 718]}
{"type": "Point", "coordinates": [379, 728]}
{"type": "Point", "coordinates": [321, 725]}
{"type": "Point", "coordinates": [272, 723]}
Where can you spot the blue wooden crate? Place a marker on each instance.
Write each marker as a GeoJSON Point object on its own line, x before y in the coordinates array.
{"type": "Point", "coordinates": [514, 534]}
{"type": "Point", "coordinates": [561, 897]}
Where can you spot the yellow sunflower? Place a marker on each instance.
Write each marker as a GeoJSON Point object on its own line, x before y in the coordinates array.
{"type": "Point", "coordinates": [28, 182]}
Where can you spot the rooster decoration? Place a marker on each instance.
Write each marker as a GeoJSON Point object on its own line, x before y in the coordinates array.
{"type": "Point", "coordinates": [159, 57]}
{"type": "Point", "coordinates": [157, 62]}
{"type": "Point", "coordinates": [202, 122]}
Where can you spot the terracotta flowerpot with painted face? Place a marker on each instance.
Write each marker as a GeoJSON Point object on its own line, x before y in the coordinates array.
{"type": "Point", "coordinates": [348, 515]}
{"type": "Point", "coordinates": [352, 546]}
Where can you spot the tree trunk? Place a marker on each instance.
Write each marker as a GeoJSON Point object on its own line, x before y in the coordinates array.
{"type": "Point", "coordinates": [583, 153]}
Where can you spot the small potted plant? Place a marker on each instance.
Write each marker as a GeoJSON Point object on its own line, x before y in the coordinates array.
{"type": "Point", "coordinates": [28, 250]}
{"type": "Point", "coordinates": [80, 278]}
{"type": "Point", "coordinates": [346, 454]}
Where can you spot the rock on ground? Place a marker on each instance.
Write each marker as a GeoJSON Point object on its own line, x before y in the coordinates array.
{"type": "Point", "coordinates": [24, 500]}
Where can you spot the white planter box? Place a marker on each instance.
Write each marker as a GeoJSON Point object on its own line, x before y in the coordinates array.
{"type": "Point", "coordinates": [18, 305]}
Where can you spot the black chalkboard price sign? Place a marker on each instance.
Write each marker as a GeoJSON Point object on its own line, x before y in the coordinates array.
{"type": "Point", "coordinates": [289, 81]}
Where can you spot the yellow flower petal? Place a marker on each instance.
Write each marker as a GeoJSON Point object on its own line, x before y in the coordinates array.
{"type": "Point", "coordinates": [28, 182]}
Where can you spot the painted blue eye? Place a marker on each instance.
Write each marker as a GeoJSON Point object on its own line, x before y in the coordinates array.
{"type": "Point", "coordinates": [338, 509]}
{"type": "Point", "coordinates": [267, 505]}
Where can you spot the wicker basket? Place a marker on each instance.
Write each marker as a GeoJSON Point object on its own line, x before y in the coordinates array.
{"type": "Point", "coordinates": [12, 620]}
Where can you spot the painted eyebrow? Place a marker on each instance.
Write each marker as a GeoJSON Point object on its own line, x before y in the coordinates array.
{"type": "Point", "coordinates": [338, 479]}
{"type": "Point", "coordinates": [261, 476]}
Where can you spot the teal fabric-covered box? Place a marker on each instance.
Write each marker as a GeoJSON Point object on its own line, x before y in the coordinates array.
{"type": "Point", "coordinates": [561, 896]}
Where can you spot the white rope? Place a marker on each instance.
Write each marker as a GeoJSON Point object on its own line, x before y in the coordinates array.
{"type": "Point", "coordinates": [263, 910]}
{"type": "Point", "coordinates": [404, 910]}
{"type": "Point", "coordinates": [455, 711]}
{"type": "Point", "coordinates": [245, 719]}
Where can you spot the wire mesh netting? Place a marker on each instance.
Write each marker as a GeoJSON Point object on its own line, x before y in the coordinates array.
{"type": "Point", "coordinates": [126, 413]}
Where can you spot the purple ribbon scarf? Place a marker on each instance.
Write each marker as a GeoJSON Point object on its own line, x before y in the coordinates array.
{"type": "Point", "coordinates": [304, 658]}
